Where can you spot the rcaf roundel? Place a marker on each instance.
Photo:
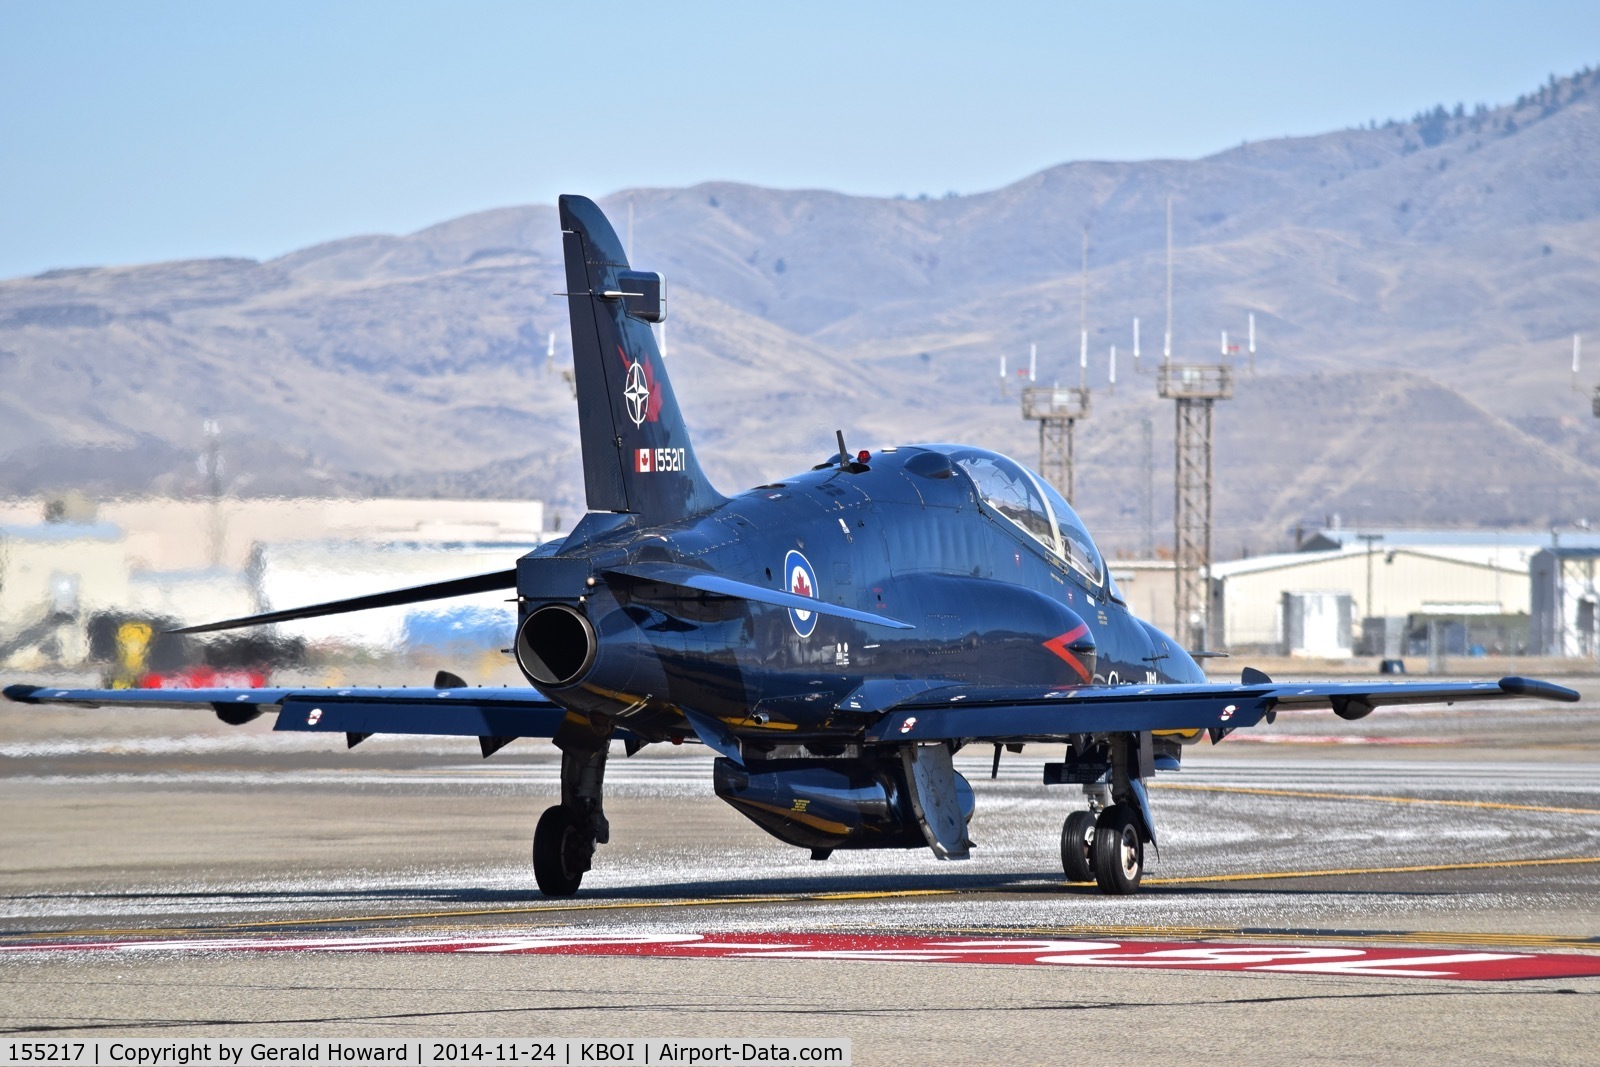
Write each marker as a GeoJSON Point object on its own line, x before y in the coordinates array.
{"type": "Point", "coordinates": [801, 580]}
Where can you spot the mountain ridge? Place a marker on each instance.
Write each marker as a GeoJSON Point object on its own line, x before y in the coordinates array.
{"type": "Point", "coordinates": [1456, 250]}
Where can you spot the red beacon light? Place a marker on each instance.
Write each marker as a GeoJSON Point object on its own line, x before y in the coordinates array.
{"type": "Point", "coordinates": [863, 456]}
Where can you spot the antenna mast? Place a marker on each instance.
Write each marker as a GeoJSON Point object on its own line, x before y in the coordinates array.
{"type": "Point", "coordinates": [1576, 351]}
{"type": "Point", "coordinates": [1147, 431]}
{"type": "Point", "coordinates": [212, 467]}
{"type": "Point", "coordinates": [1083, 314]}
{"type": "Point", "coordinates": [1166, 348]}
{"type": "Point", "coordinates": [1057, 409]}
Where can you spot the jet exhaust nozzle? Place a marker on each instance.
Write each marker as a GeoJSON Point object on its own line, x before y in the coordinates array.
{"type": "Point", "coordinates": [555, 645]}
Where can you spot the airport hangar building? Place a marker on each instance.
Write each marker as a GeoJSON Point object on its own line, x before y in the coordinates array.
{"type": "Point", "coordinates": [1389, 592]}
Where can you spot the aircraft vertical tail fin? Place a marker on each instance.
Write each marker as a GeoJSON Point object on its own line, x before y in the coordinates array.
{"type": "Point", "coordinates": [636, 451]}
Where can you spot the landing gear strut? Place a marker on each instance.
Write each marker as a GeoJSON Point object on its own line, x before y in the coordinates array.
{"type": "Point", "coordinates": [567, 834]}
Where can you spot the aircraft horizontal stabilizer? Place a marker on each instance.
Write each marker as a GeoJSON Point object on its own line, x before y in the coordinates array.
{"type": "Point", "coordinates": [1004, 714]}
{"type": "Point", "coordinates": [478, 583]}
{"type": "Point", "coordinates": [706, 582]}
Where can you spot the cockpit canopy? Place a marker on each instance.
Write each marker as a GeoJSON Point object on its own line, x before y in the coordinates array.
{"type": "Point", "coordinates": [1029, 503]}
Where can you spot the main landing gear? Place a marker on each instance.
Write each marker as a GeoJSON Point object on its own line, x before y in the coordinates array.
{"type": "Point", "coordinates": [563, 847]}
{"type": "Point", "coordinates": [1105, 844]}
{"type": "Point", "coordinates": [1118, 851]}
{"type": "Point", "coordinates": [568, 833]}
{"type": "Point", "coordinates": [1107, 850]}
{"type": "Point", "coordinates": [1077, 846]}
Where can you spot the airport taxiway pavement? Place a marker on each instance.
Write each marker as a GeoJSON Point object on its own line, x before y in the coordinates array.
{"type": "Point", "coordinates": [1465, 830]}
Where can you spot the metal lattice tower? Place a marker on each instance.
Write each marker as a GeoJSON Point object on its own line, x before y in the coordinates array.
{"type": "Point", "coordinates": [1196, 388]}
{"type": "Point", "coordinates": [1057, 411]}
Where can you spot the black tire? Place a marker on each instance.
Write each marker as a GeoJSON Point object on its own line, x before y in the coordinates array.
{"type": "Point", "coordinates": [1077, 846]}
{"type": "Point", "coordinates": [561, 852]}
{"type": "Point", "coordinates": [1118, 851]}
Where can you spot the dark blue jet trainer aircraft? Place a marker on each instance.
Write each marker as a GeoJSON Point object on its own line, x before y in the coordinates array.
{"type": "Point", "coordinates": [834, 637]}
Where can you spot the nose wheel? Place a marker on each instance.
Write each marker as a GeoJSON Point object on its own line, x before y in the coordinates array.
{"type": "Point", "coordinates": [1118, 851]}
{"type": "Point", "coordinates": [1077, 846]}
{"type": "Point", "coordinates": [563, 847]}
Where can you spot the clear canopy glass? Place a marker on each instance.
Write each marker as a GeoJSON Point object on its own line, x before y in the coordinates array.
{"type": "Point", "coordinates": [1032, 505]}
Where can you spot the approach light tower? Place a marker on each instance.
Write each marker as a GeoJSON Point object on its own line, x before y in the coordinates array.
{"type": "Point", "coordinates": [1057, 409]}
{"type": "Point", "coordinates": [1196, 387]}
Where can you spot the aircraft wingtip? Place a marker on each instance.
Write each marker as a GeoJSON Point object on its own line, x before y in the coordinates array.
{"type": "Point", "coordinates": [1533, 687]}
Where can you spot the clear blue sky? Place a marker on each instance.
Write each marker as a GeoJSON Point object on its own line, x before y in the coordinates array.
{"type": "Point", "coordinates": [142, 131]}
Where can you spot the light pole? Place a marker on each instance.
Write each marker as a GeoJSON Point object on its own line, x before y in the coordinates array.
{"type": "Point", "coordinates": [1366, 636]}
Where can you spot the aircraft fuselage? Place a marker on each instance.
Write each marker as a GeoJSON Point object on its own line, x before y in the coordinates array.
{"type": "Point", "coordinates": [989, 605]}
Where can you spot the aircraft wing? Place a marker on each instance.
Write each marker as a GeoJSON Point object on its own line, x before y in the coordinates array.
{"type": "Point", "coordinates": [912, 711]}
{"type": "Point", "coordinates": [469, 711]}
{"type": "Point", "coordinates": [1038, 714]}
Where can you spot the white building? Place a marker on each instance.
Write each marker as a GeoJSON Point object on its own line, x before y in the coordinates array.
{"type": "Point", "coordinates": [53, 576]}
{"type": "Point", "coordinates": [1148, 587]}
{"type": "Point", "coordinates": [1508, 549]}
{"type": "Point", "coordinates": [1248, 596]}
{"type": "Point", "coordinates": [1564, 603]}
{"type": "Point", "coordinates": [189, 561]}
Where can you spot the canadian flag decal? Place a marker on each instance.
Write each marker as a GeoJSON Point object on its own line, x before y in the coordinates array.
{"type": "Point", "coordinates": [641, 461]}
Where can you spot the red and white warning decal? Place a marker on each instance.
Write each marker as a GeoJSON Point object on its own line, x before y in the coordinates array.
{"type": "Point", "coordinates": [1146, 955]}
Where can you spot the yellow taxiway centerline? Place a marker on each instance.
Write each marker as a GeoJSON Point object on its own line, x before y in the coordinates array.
{"type": "Point", "coordinates": [795, 898]}
{"type": "Point", "coordinates": [1253, 791]}
{"type": "Point", "coordinates": [1421, 868]}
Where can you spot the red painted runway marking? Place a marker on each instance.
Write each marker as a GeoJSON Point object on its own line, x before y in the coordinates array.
{"type": "Point", "coordinates": [1067, 952]}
